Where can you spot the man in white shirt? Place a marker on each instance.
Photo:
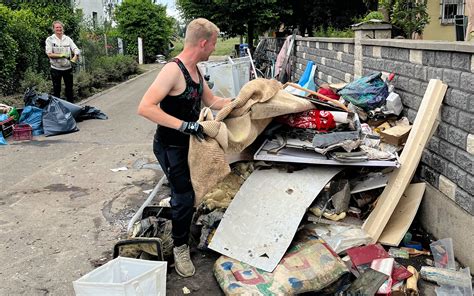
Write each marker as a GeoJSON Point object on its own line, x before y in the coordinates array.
{"type": "Point", "coordinates": [59, 48]}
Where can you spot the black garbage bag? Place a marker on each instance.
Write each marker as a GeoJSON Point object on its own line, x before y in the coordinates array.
{"type": "Point", "coordinates": [73, 108]}
{"type": "Point", "coordinates": [57, 119]}
{"type": "Point", "coordinates": [88, 112]}
{"type": "Point", "coordinates": [32, 98]}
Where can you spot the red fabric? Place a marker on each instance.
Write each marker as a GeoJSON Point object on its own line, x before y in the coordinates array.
{"type": "Point", "coordinates": [316, 119]}
{"type": "Point", "coordinates": [328, 93]}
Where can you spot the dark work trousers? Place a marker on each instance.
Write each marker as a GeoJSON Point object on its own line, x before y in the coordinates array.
{"type": "Point", "coordinates": [56, 76]}
{"type": "Point", "coordinates": [174, 162]}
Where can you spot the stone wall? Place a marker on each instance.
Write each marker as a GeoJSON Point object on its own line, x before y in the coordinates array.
{"type": "Point", "coordinates": [447, 162]}
{"type": "Point", "coordinates": [334, 58]}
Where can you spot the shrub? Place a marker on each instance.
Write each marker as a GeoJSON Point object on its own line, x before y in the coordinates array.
{"type": "Point", "coordinates": [83, 82]}
{"type": "Point", "coordinates": [373, 15]}
{"type": "Point", "coordinates": [332, 32]}
{"type": "Point", "coordinates": [8, 53]}
{"type": "Point", "coordinates": [37, 80]}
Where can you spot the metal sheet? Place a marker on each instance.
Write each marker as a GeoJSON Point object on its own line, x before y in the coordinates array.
{"type": "Point", "coordinates": [296, 155]}
{"type": "Point", "coordinates": [262, 220]}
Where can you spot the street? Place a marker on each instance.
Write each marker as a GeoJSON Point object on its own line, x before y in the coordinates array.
{"type": "Point", "coordinates": [62, 209]}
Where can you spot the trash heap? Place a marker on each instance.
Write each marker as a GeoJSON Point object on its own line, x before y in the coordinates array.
{"type": "Point", "coordinates": [319, 200]}
{"type": "Point", "coordinates": [42, 114]}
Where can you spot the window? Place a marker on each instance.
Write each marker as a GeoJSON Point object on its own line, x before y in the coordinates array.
{"type": "Point", "coordinates": [449, 9]}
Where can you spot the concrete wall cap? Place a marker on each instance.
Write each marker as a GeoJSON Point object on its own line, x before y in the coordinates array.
{"type": "Point", "coordinates": [326, 39]}
{"type": "Point", "coordinates": [457, 46]}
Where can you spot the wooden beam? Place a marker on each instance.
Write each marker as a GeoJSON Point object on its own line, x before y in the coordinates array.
{"type": "Point", "coordinates": [401, 177]}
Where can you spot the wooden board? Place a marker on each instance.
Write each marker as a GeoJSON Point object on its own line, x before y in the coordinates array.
{"type": "Point", "coordinates": [403, 215]}
{"type": "Point", "coordinates": [401, 177]}
{"type": "Point", "coordinates": [262, 219]}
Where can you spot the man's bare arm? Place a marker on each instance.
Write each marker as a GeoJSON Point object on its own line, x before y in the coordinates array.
{"type": "Point", "coordinates": [149, 106]}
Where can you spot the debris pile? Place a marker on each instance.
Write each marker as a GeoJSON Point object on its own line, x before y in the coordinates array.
{"type": "Point", "coordinates": [325, 201]}
{"type": "Point", "coordinates": [42, 114]}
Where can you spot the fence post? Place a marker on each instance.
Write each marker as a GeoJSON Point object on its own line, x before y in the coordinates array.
{"type": "Point", "coordinates": [367, 30]}
{"type": "Point", "coordinates": [140, 50]}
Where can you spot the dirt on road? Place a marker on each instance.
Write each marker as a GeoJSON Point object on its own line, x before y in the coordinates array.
{"type": "Point", "coordinates": [62, 209]}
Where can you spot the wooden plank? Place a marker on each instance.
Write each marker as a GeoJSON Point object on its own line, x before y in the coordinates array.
{"type": "Point", "coordinates": [403, 215]}
{"type": "Point", "coordinates": [401, 177]}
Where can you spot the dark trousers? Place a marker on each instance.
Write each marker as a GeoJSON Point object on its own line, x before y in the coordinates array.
{"type": "Point", "coordinates": [66, 75]}
{"type": "Point", "coordinates": [174, 162]}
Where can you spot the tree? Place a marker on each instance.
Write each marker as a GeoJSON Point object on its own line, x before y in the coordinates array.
{"type": "Point", "coordinates": [235, 17]}
{"type": "Point", "coordinates": [143, 18]}
{"type": "Point", "coordinates": [410, 16]}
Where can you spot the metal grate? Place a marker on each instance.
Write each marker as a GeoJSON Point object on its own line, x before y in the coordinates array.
{"type": "Point", "coordinates": [449, 9]}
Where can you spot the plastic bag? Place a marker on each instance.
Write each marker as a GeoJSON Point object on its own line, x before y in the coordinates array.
{"type": "Point", "coordinates": [341, 238]}
{"type": "Point", "coordinates": [32, 98]}
{"type": "Point", "coordinates": [2, 140]}
{"type": "Point", "coordinates": [14, 113]}
{"type": "Point", "coordinates": [57, 119]}
{"type": "Point", "coordinates": [34, 117]}
{"type": "Point", "coordinates": [367, 92]}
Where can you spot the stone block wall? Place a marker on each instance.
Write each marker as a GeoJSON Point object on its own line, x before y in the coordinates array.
{"type": "Point", "coordinates": [334, 58]}
{"type": "Point", "coordinates": [447, 162]}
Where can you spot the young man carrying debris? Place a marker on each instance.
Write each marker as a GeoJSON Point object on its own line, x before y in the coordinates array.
{"type": "Point", "coordinates": [173, 101]}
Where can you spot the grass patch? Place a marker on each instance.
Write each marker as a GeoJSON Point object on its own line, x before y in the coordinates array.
{"type": "Point", "coordinates": [223, 46]}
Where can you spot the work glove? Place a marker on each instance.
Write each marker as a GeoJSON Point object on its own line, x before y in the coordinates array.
{"type": "Point", "coordinates": [192, 128]}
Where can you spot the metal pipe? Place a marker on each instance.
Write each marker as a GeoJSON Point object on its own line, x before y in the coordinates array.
{"type": "Point", "coordinates": [147, 201]}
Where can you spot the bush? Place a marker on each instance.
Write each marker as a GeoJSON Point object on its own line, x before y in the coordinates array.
{"type": "Point", "coordinates": [8, 53]}
{"type": "Point", "coordinates": [37, 80]}
{"type": "Point", "coordinates": [83, 84]}
{"type": "Point", "coordinates": [332, 32]}
{"type": "Point", "coordinates": [116, 68]}
{"type": "Point", "coordinates": [24, 26]}
{"type": "Point", "coordinates": [373, 15]}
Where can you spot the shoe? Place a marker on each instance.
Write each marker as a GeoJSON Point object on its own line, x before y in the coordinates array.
{"type": "Point", "coordinates": [182, 261]}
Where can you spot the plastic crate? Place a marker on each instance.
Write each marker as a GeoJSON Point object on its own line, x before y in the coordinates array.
{"type": "Point", "coordinates": [6, 127]}
{"type": "Point", "coordinates": [22, 131]}
{"type": "Point", "coordinates": [124, 277]}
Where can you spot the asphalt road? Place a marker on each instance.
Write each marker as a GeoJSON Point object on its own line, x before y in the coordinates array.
{"type": "Point", "coordinates": [62, 209]}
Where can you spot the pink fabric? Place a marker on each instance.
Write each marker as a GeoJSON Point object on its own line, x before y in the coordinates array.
{"type": "Point", "coordinates": [281, 55]}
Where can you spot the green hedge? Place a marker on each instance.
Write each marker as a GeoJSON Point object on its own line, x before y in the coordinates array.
{"type": "Point", "coordinates": [24, 28]}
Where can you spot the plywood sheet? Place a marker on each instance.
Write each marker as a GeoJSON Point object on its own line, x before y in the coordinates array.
{"type": "Point", "coordinates": [262, 220]}
{"type": "Point", "coordinates": [401, 177]}
{"type": "Point", "coordinates": [403, 215]}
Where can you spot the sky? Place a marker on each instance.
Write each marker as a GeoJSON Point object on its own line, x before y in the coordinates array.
{"type": "Point", "coordinates": [170, 8]}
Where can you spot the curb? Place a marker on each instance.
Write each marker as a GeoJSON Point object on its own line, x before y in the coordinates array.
{"type": "Point", "coordinates": [95, 96]}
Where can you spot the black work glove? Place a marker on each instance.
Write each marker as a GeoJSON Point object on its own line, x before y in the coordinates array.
{"type": "Point", "coordinates": [192, 128]}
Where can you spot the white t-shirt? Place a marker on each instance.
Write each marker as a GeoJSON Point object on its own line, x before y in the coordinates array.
{"type": "Point", "coordinates": [64, 45]}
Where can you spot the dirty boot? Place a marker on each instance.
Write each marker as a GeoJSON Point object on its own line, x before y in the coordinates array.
{"type": "Point", "coordinates": [182, 261]}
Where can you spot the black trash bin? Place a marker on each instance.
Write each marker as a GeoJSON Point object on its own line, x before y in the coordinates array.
{"type": "Point", "coordinates": [461, 24]}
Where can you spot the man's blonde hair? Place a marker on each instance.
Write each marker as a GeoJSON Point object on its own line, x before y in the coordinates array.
{"type": "Point", "coordinates": [198, 29]}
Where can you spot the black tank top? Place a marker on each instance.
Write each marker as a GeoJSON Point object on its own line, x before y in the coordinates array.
{"type": "Point", "coordinates": [185, 106]}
